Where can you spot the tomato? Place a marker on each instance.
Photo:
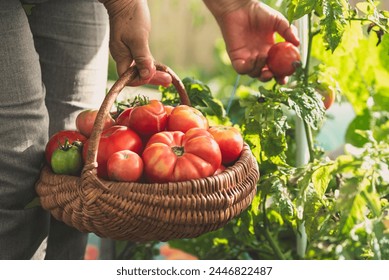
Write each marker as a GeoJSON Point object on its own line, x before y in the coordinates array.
{"type": "Point", "coordinates": [125, 166]}
{"type": "Point", "coordinates": [220, 169]}
{"type": "Point", "coordinates": [183, 117]}
{"type": "Point", "coordinates": [328, 93]}
{"type": "Point", "coordinates": [67, 159]}
{"type": "Point", "coordinates": [58, 139]}
{"type": "Point", "coordinates": [86, 119]}
{"type": "Point", "coordinates": [148, 119]}
{"type": "Point", "coordinates": [172, 156]}
{"type": "Point", "coordinates": [168, 109]}
{"type": "Point", "coordinates": [114, 139]}
{"type": "Point", "coordinates": [282, 59]}
{"type": "Point", "coordinates": [124, 117]}
{"type": "Point", "coordinates": [230, 142]}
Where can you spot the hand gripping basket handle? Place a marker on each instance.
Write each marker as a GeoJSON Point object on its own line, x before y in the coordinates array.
{"type": "Point", "coordinates": [125, 80]}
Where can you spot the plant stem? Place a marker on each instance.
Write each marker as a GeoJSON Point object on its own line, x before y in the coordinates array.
{"type": "Point", "coordinates": [267, 234]}
{"type": "Point", "coordinates": [309, 49]}
{"type": "Point", "coordinates": [308, 133]}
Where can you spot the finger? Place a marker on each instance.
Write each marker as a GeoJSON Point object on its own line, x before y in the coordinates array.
{"type": "Point", "coordinates": [159, 79]}
{"type": "Point", "coordinates": [266, 75]}
{"type": "Point", "coordinates": [251, 66]}
{"type": "Point", "coordinates": [287, 31]}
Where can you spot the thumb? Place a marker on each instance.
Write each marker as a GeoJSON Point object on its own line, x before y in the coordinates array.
{"type": "Point", "coordinates": [287, 31]}
{"type": "Point", "coordinates": [144, 61]}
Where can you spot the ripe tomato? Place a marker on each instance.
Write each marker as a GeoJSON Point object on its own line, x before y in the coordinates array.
{"type": "Point", "coordinates": [282, 59]}
{"type": "Point", "coordinates": [230, 142]}
{"type": "Point", "coordinates": [59, 138]}
{"type": "Point", "coordinates": [67, 159]}
{"type": "Point", "coordinates": [183, 117]}
{"type": "Point", "coordinates": [172, 156]}
{"type": "Point", "coordinates": [328, 93]}
{"type": "Point", "coordinates": [114, 139]}
{"type": "Point", "coordinates": [124, 117]}
{"type": "Point", "coordinates": [125, 166]}
{"type": "Point", "coordinates": [86, 119]}
{"type": "Point", "coordinates": [169, 109]}
{"type": "Point", "coordinates": [148, 119]}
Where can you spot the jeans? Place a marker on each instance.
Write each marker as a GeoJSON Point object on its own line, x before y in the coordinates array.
{"type": "Point", "coordinates": [53, 64]}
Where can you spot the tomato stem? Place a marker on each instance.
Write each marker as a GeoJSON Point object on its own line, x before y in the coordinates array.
{"type": "Point", "coordinates": [178, 150]}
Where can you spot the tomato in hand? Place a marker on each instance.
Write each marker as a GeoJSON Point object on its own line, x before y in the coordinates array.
{"type": "Point", "coordinates": [125, 166]}
{"type": "Point", "coordinates": [230, 142]}
{"type": "Point", "coordinates": [283, 59]}
{"type": "Point", "coordinates": [67, 159]}
{"type": "Point", "coordinates": [172, 156]}
{"type": "Point", "coordinates": [183, 117]}
{"type": "Point", "coordinates": [114, 139]}
{"type": "Point", "coordinates": [148, 119]}
{"type": "Point", "coordinates": [86, 119]}
{"type": "Point", "coordinates": [59, 138]}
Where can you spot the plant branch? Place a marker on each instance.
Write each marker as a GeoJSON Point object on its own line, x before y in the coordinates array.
{"type": "Point", "coordinates": [267, 234]}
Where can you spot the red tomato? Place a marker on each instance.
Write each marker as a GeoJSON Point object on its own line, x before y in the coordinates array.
{"type": "Point", "coordinates": [86, 119]}
{"type": "Point", "coordinates": [328, 93]}
{"type": "Point", "coordinates": [220, 169]}
{"type": "Point", "coordinates": [114, 139]}
{"type": "Point", "coordinates": [58, 139]}
{"type": "Point", "coordinates": [124, 117]}
{"type": "Point", "coordinates": [230, 142]}
{"type": "Point", "coordinates": [148, 119]}
{"type": "Point", "coordinates": [184, 117]}
{"type": "Point", "coordinates": [169, 109]}
{"type": "Point", "coordinates": [125, 166]}
{"type": "Point", "coordinates": [172, 156]}
{"type": "Point", "coordinates": [282, 59]}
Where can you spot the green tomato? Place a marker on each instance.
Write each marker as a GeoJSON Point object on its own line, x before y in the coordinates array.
{"type": "Point", "coordinates": [67, 160]}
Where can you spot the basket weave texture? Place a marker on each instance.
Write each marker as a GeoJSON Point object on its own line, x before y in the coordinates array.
{"type": "Point", "coordinates": [142, 212]}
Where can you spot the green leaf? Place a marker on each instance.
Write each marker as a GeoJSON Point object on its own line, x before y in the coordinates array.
{"type": "Point", "coordinates": [299, 8]}
{"type": "Point", "coordinates": [360, 122]}
{"type": "Point", "coordinates": [309, 107]}
{"type": "Point", "coordinates": [333, 23]}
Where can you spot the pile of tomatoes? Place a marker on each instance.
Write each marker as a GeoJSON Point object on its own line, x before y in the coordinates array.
{"type": "Point", "coordinates": [151, 142]}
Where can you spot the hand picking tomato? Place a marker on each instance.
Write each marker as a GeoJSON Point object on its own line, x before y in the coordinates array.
{"type": "Point", "coordinates": [125, 166]}
{"type": "Point", "coordinates": [124, 117]}
{"type": "Point", "coordinates": [282, 59]}
{"type": "Point", "coordinates": [59, 138]}
{"type": "Point", "coordinates": [86, 119]}
{"type": "Point", "coordinates": [172, 156]}
{"type": "Point", "coordinates": [114, 139]}
{"type": "Point", "coordinates": [230, 142]}
{"type": "Point", "coordinates": [148, 119]}
{"type": "Point", "coordinates": [183, 117]}
{"type": "Point", "coordinates": [67, 159]}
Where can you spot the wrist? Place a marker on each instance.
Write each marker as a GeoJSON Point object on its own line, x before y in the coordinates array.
{"type": "Point", "coordinates": [220, 7]}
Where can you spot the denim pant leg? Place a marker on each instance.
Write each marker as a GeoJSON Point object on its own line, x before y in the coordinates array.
{"type": "Point", "coordinates": [71, 38]}
{"type": "Point", "coordinates": [23, 134]}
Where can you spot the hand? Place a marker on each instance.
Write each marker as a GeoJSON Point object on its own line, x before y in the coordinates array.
{"type": "Point", "coordinates": [129, 40]}
{"type": "Point", "coordinates": [248, 28]}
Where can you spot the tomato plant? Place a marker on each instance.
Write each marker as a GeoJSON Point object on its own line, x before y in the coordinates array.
{"type": "Point", "coordinates": [183, 117]}
{"type": "Point", "coordinates": [58, 139]}
{"type": "Point", "coordinates": [283, 59]}
{"type": "Point", "coordinates": [148, 119]}
{"type": "Point", "coordinates": [67, 159]}
{"type": "Point", "coordinates": [86, 119]}
{"type": "Point", "coordinates": [125, 166]}
{"type": "Point", "coordinates": [114, 139]}
{"type": "Point", "coordinates": [172, 156]}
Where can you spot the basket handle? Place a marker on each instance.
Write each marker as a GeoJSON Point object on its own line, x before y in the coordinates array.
{"type": "Point", "coordinates": [124, 80]}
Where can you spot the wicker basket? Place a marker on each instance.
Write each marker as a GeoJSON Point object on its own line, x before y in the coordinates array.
{"type": "Point", "coordinates": [147, 211]}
